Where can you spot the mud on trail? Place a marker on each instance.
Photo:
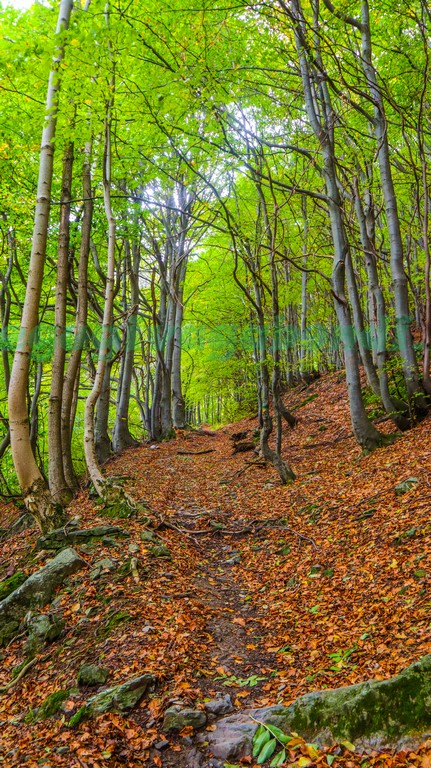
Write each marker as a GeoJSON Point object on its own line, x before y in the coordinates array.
{"type": "Point", "coordinates": [239, 586]}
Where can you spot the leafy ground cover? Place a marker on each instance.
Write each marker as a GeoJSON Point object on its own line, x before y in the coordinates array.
{"type": "Point", "coordinates": [236, 585]}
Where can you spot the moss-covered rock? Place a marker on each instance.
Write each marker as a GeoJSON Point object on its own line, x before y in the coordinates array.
{"type": "Point", "coordinates": [65, 537]}
{"type": "Point", "coordinates": [8, 630]}
{"type": "Point", "coordinates": [52, 704]}
{"type": "Point", "coordinates": [36, 591]}
{"type": "Point", "coordinates": [176, 719]}
{"type": "Point", "coordinates": [120, 697]}
{"type": "Point", "coordinates": [377, 713]}
{"type": "Point", "coordinates": [91, 674]}
{"type": "Point", "coordinates": [160, 550]}
{"type": "Point", "coordinates": [11, 583]}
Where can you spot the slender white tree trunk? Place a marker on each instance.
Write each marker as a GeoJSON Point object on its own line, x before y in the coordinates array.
{"type": "Point", "coordinates": [36, 494]}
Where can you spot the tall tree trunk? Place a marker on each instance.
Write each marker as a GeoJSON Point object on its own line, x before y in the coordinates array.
{"type": "Point", "coordinates": [59, 488]}
{"type": "Point", "coordinates": [358, 319]}
{"type": "Point", "coordinates": [91, 459]}
{"type": "Point", "coordinates": [399, 279]}
{"type": "Point", "coordinates": [121, 437]}
{"type": "Point", "coordinates": [365, 433]}
{"type": "Point", "coordinates": [377, 306]}
{"type": "Point", "coordinates": [37, 498]}
{"type": "Point", "coordinates": [178, 402]}
{"type": "Point", "coordinates": [71, 379]}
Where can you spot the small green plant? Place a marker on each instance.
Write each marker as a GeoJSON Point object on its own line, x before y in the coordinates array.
{"type": "Point", "coordinates": [265, 742]}
{"type": "Point", "coordinates": [247, 682]}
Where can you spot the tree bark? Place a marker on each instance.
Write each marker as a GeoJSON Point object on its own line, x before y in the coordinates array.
{"type": "Point", "coordinates": [36, 495]}
{"type": "Point", "coordinates": [59, 488]}
{"type": "Point", "coordinates": [317, 98]}
{"type": "Point", "coordinates": [91, 459]}
{"type": "Point", "coordinates": [399, 279]}
{"type": "Point", "coordinates": [71, 379]}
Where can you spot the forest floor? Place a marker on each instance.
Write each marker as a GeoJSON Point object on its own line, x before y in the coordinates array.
{"type": "Point", "coordinates": [269, 591]}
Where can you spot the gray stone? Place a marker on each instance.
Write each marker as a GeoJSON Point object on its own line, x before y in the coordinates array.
{"type": "Point", "coordinates": [161, 744]}
{"type": "Point", "coordinates": [176, 718]}
{"type": "Point", "coordinates": [405, 486]}
{"type": "Point", "coordinates": [65, 536]}
{"type": "Point", "coordinates": [38, 589]}
{"type": "Point", "coordinates": [46, 626]}
{"type": "Point", "coordinates": [43, 628]}
{"type": "Point", "coordinates": [150, 536]}
{"type": "Point", "coordinates": [219, 706]}
{"type": "Point", "coordinates": [91, 674]}
{"type": "Point", "coordinates": [376, 714]}
{"type": "Point", "coordinates": [160, 550]}
{"type": "Point", "coordinates": [195, 759]}
{"type": "Point", "coordinates": [235, 560]}
{"type": "Point", "coordinates": [102, 566]}
{"type": "Point", "coordinates": [120, 697]}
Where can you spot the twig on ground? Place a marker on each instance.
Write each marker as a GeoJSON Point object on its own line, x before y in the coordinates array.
{"type": "Point", "coordinates": [21, 673]}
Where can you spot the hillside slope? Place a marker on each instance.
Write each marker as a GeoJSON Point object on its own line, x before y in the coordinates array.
{"type": "Point", "coordinates": [264, 592]}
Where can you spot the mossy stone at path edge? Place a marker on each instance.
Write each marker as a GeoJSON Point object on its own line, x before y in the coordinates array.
{"type": "Point", "coordinates": [119, 697]}
{"type": "Point", "coordinates": [176, 718]}
{"type": "Point", "coordinates": [375, 714]}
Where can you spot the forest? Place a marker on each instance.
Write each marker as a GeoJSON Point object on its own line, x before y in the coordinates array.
{"type": "Point", "coordinates": [215, 383]}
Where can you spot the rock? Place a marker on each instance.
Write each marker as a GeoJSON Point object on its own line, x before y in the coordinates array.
{"type": "Point", "coordinates": [235, 560]}
{"type": "Point", "coordinates": [161, 745]}
{"type": "Point", "coordinates": [150, 536]}
{"type": "Point", "coordinates": [8, 630]}
{"type": "Point", "coordinates": [91, 674]}
{"type": "Point", "coordinates": [378, 714]}
{"type": "Point", "coordinates": [405, 486]}
{"type": "Point", "coordinates": [219, 706]}
{"type": "Point", "coordinates": [176, 719]}
{"type": "Point", "coordinates": [159, 550]}
{"type": "Point", "coordinates": [65, 536]}
{"type": "Point", "coordinates": [37, 590]}
{"type": "Point", "coordinates": [102, 566]}
{"type": "Point", "coordinates": [11, 583]}
{"type": "Point", "coordinates": [43, 628]}
{"type": "Point", "coordinates": [195, 759]}
{"type": "Point", "coordinates": [120, 697]}
{"type": "Point", "coordinates": [52, 704]}
{"type": "Point", "coordinates": [47, 626]}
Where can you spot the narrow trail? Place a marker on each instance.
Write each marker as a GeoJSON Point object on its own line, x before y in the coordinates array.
{"type": "Point", "coordinates": [236, 637]}
{"type": "Point", "coordinates": [332, 589]}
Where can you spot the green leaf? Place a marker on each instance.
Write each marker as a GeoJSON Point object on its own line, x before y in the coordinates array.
{"type": "Point", "coordinates": [260, 741]}
{"type": "Point", "coordinates": [278, 759]}
{"type": "Point", "coordinates": [348, 745]}
{"type": "Point", "coordinates": [279, 734]}
{"type": "Point", "coordinates": [330, 759]}
{"type": "Point", "coordinates": [267, 751]}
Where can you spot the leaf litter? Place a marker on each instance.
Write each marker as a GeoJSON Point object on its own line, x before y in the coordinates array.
{"type": "Point", "coordinates": [265, 592]}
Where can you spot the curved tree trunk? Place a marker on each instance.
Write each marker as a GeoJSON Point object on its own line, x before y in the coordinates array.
{"type": "Point", "coordinates": [91, 458]}
{"type": "Point", "coordinates": [36, 495]}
